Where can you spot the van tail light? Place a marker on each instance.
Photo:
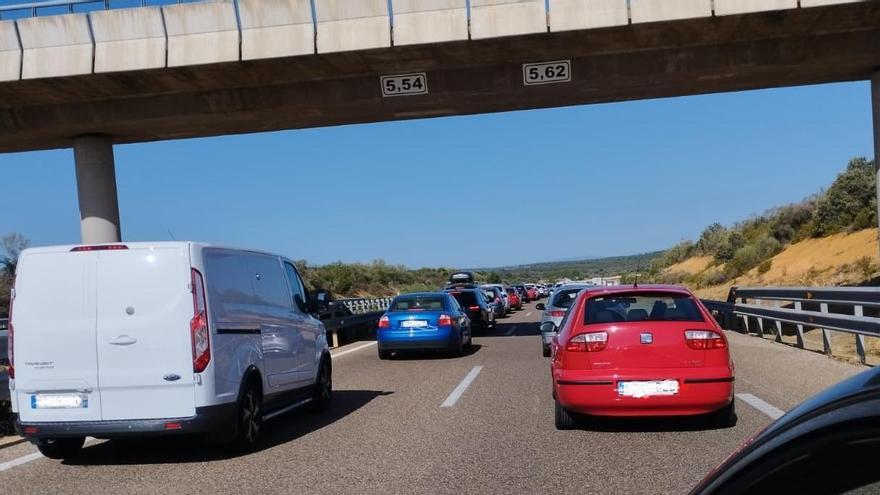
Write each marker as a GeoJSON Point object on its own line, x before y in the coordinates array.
{"type": "Point", "coordinates": [384, 322]}
{"type": "Point", "coordinates": [704, 339]}
{"type": "Point", "coordinates": [555, 314]}
{"type": "Point", "coordinates": [444, 321]}
{"type": "Point", "coordinates": [11, 335]}
{"type": "Point", "coordinates": [198, 326]}
{"type": "Point", "coordinates": [587, 342]}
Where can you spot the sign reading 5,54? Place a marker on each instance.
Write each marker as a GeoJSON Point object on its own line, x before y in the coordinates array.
{"type": "Point", "coordinates": [547, 72]}
{"type": "Point", "coordinates": [405, 84]}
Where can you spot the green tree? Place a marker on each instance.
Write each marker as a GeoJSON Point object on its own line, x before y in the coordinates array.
{"type": "Point", "coordinates": [851, 197]}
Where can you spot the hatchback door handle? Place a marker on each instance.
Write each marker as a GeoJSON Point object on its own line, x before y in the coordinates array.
{"type": "Point", "coordinates": [123, 340]}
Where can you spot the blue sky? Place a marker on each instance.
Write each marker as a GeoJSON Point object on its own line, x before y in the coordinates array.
{"type": "Point", "coordinates": [486, 190]}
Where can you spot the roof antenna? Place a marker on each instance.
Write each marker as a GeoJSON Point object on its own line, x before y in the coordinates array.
{"type": "Point", "coordinates": [171, 235]}
{"type": "Point", "coordinates": [638, 267]}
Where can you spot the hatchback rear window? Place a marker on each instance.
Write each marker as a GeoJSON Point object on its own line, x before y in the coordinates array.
{"type": "Point", "coordinates": [565, 298]}
{"type": "Point", "coordinates": [466, 299]}
{"type": "Point", "coordinates": [490, 295]}
{"type": "Point", "coordinates": [641, 306]}
{"type": "Point", "coordinates": [418, 303]}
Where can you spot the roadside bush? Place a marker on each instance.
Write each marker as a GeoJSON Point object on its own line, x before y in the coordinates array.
{"type": "Point", "coordinates": [765, 266]}
{"type": "Point", "coordinates": [850, 201]}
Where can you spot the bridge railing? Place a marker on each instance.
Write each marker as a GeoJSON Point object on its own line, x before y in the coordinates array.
{"type": "Point", "coordinates": [774, 310]}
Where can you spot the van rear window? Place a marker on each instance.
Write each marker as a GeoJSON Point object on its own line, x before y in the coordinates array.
{"type": "Point", "coordinates": [418, 303]}
{"type": "Point", "coordinates": [641, 306]}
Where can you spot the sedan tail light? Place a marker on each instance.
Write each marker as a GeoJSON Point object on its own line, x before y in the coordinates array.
{"type": "Point", "coordinates": [555, 314]}
{"type": "Point", "coordinates": [587, 342]}
{"type": "Point", "coordinates": [444, 321]}
{"type": "Point", "coordinates": [384, 322]}
{"type": "Point", "coordinates": [704, 339]}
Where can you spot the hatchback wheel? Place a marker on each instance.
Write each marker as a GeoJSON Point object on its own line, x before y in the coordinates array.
{"type": "Point", "coordinates": [250, 420]}
{"type": "Point", "coordinates": [564, 419]}
{"type": "Point", "coordinates": [61, 448]}
{"type": "Point", "coordinates": [723, 418]}
{"type": "Point", "coordinates": [545, 350]}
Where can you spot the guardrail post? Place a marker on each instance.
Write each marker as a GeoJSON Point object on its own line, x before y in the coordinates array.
{"type": "Point", "coordinates": [800, 328]}
{"type": "Point", "coordinates": [778, 323]}
{"type": "Point", "coordinates": [826, 334]}
{"type": "Point", "coordinates": [760, 327]}
{"type": "Point", "coordinates": [860, 339]}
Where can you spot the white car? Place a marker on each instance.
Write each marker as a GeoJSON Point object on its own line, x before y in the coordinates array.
{"type": "Point", "coordinates": [160, 338]}
{"type": "Point", "coordinates": [555, 310]}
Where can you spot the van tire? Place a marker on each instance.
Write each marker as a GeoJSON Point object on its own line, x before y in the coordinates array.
{"type": "Point", "coordinates": [249, 419]}
{"type": "Point", "coordinates": [61, 448]}
{"type": "Point", "coordinates": [384, 354]}
{"type": "Point", "coordinates": [323, 393]}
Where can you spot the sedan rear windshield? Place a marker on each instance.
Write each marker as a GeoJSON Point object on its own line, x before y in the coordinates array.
{"type": "Point", "coordinates": [564, 298]}
{"type": "Point", "coordinates": [641, 306]}
{"type": "Point", "coordinates": [418, 303]}
{"type": "Point", "coordinates": [465, 298]}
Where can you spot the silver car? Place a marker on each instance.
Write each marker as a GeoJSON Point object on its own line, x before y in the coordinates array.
{"type": "Point", "coordinates": [502, 292]}
{"type": "Point", "coordinates": [555, 310]}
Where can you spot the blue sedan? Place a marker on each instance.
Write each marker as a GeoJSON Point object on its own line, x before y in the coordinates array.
{"type": "Point", "coordinates": [424, 321]}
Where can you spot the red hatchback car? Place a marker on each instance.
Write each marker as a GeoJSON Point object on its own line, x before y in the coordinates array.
{"type": "Point", "coordinates": [513, 296]}
{"type": "Point", "coordinates": [641, 351]}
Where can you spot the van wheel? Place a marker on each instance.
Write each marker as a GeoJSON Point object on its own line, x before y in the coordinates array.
{"type": "Point", "coordinates": [564, 419]}
{"type": "Point", "coordinates": [323, 387]}
{"type": "Point", "coordinates": [61, 448]}
{"type": "Point", "coordinates": [250, 420]}
{"type": "Point", "coordinates": [384, 354]}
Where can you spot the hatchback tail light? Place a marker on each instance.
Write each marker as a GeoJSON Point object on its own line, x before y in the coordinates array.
{"type": "Point", "coordinates": [704, 339]}
{"type": "Point", "coordinates": [201, 340]}
{"type": "Point", "coordinates": [11, 336]}
{"type": "Point", "coordinates": [444, 321]}
{"type": "Point", "coordinates": [474, 308]}
{"type": "Point", "coordinates": [555, 314]}
{"type": "Point", "coordinates": [587, 342]}
{"type": "Point", "coordinates": [384, 322]}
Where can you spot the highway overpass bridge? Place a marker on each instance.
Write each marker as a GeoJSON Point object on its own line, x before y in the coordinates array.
{"type": "Point", "coordinates": [93, 79]}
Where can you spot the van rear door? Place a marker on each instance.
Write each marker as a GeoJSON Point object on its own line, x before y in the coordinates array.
{"type": "Point", "coordinates": [144, 347]}
{"type": "Point", "coordinates": [54, 318]}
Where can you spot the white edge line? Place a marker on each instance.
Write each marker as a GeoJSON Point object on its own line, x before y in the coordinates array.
{"type": "Point", "coordinates": [528, 314]}
{"type": "Point", "coordinates": [510, 332]}
{"type": "Point", "coordinates": [353, 349]}
{"type": "Point", "coordinates": [21, 460]}
{"type": "Point", "coordinates": [766, 408]}
{"type": "Point", "coordinates": [30, 458]}
{"type": "Point", "coordinates": [460, 389]}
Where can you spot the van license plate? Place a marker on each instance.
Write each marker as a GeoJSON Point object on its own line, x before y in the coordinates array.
{"type": "Point", "coordinates": [59, 401]}
{"type": "Point", "coordinates": [647, 388]}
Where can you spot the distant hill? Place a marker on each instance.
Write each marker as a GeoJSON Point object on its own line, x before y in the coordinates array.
{"type": "Point", "coordinates": [575, 269]}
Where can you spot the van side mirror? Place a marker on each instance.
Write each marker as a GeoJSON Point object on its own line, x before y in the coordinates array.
{"type": "Point", "coordinates": [540, 307]}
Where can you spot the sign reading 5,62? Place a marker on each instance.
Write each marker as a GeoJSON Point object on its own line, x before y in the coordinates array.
{"type": "Point", "coordinates": [405, 84]}
{"type": "Point", "coordinates": [547, 72]}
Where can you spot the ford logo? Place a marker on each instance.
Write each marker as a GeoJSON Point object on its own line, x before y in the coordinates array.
{"type": "Point", "coordinates": [171, 377]}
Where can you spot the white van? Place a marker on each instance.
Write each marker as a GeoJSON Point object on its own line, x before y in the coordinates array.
{"type": "Point", "coordinates": [160, 338]}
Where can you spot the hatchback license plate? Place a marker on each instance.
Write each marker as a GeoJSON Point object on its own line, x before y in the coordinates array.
{"type": "Point", "coordinates": [414, 323]}
{"type": "Point", "coordinates": [59, 401]}
{"type": "Point", "coordinates": [647, 388]}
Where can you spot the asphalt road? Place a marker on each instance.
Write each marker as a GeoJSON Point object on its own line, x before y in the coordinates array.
{"type": "Point", "coordinates": [396, 427]}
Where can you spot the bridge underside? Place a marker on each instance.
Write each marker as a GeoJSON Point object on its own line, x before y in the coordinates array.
{"type": "Point", "coordinates": [718, 54]}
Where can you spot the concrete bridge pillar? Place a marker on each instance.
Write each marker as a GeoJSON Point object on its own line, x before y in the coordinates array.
{"type": "Point", "coordinates": [96, 188]}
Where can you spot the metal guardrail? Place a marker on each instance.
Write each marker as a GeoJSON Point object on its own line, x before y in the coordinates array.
{"type": "Point", "coordinates": [350, 314]}
{"type": "Point", "coordinates": [802, 308]}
